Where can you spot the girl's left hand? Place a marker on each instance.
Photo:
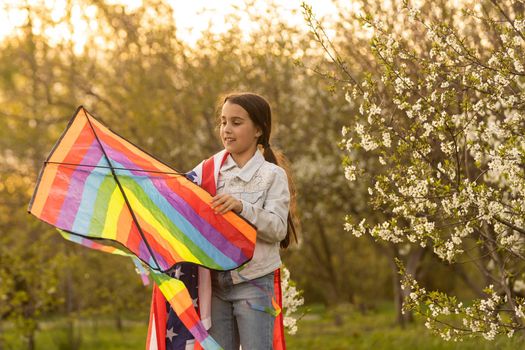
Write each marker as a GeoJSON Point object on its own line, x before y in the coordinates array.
{"type": "Point", "coordinates": [222, 203]}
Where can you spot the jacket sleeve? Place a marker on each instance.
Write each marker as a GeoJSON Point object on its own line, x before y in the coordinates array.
{"type": "Point", "coordinates": [195, 175]}
{"type": "Point", "coordinates": [272, 219]}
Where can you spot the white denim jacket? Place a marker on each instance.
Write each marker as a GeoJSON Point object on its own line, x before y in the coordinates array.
{"type": "Point", "coordinates": [262, 187]}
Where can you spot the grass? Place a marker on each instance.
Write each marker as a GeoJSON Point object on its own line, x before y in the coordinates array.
{"type": "Point", "coordinates": [377, 330]}
{"type": "Point", "coordinates": [317, 330]}
{"type": "Point", "coordinates": [84, 335]}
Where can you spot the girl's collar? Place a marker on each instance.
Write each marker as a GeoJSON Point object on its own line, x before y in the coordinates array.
{"type": "Point", "coordinates": [248, 170]}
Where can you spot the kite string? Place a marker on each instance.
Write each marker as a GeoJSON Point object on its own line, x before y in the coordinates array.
{"type": "Point", "coordinates": [276, 308]}
{"type": "Point", "coordinates": [116, 168]}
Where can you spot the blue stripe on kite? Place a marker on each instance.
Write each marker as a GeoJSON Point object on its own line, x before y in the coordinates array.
{"type": "Point", "coordinates": [210, 343]}
{"type": "Point", "coordinates": [89, 196]}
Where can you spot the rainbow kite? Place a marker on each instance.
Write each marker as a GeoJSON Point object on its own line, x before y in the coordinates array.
{"type": "Point", "coordinates": [104, 192]}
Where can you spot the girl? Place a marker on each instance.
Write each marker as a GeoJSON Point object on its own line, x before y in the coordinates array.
{"type": "Point", "coordinates": [251, 184]}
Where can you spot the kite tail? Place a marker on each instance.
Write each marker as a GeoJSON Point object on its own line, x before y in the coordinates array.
{"type": "Point", "coordinates": [278, 328]}
{"type": "Point", "coordinates": [179, 298]}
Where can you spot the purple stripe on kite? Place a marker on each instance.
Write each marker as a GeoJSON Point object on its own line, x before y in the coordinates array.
{"type": "Point", "coordinates": [199, 332]}
{"type": "Point", "coordinates": [162, 263]}
{"type": "Point", "coordinates": [205, 229]}
{"type": "Point", "coordinates": [143, 252]}
{"type": "Point", "coordinates": [213, 236]}
{"type": "Point", "coordinates": [122, 159]}
{"type": "Point", "coordinates": [72, 201]}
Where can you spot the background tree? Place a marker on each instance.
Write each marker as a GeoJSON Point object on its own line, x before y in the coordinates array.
{"type": "Point", "coordinates": [138, 76]}
{"type": "Point", "coordinates": [440, 115]}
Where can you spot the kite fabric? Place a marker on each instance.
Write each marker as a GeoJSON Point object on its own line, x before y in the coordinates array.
{"type": "Point", "coordinates": [104, 192]}
{"type": "Point", "coordinates": [166, 332]}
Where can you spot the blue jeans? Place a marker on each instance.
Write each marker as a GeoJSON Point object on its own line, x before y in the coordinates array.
{"type": "Point", "coordinates": [236, 314]}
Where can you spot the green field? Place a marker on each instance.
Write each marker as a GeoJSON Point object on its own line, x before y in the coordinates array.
{"type": "Point", "coordinates": [317, 330]}
{"type": "Point", "coordinates": [377, 330]}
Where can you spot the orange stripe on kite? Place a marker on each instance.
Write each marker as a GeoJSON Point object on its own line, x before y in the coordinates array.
{"type": "Point", "coordinates": [200, 201]}
{"type": "Point", "coordinates": [189, 316]}
{"type": "Point", "coordinates": [192, 195]}
{"type": "Point", "coordinates": [55, 199]}
{"type": "Point", "coordinates": [70, 138]}
{"type": "Point", "coordinates": [124, 224]}
{"type": "Point", "coordinates": [49, 173]}
{"type": "Point", "coordinates": [134, 239]}
{"type": "Point", "coordinates": [181, 301]}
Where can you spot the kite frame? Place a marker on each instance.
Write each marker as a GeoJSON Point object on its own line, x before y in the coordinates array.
{"type": "Point", "coordinates": [176, 173]}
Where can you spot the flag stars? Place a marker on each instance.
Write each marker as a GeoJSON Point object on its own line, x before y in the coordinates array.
{"type": "Point", "coordinates": [178, 272]}
{"type": "Point", "coordinates": [170, 334]}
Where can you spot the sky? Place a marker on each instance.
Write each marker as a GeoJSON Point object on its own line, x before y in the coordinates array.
{"type": "Point", "coordinates": [191, 17]}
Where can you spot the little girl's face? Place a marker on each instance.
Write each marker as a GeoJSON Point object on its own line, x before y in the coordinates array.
{"type": "Point", "coordinates": [238, 132]}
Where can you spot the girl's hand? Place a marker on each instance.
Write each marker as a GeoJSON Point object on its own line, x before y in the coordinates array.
{"type": "Point", "coordinates": [222, 203]}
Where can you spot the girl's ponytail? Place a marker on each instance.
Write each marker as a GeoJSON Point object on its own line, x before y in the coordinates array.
{"type": "Point", "coordinates": [279, 159]}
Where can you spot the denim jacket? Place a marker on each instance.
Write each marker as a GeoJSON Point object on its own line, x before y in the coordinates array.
{"type": "Point", "coordinates": [262, 187]}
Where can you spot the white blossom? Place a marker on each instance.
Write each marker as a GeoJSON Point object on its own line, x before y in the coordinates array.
{"type": "Point", "coordinates": [292, 299]}
{"type": "Point", "coordinates": [350, 172]}
{"type": "Point", "coordinates": [450, 150]}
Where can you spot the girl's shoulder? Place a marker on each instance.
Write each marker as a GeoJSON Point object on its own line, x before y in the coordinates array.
{"type": "Point", "coordinates": [271, 170]}
{"type": "Point", "coordinates": [268, 177]}
{"type": "Point", "coordinates": [272, 166]}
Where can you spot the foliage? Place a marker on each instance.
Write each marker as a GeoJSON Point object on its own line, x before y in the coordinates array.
{"type": "Point", "coordinates": [439, 123]}
{"type": "Point", "coordinates": [137, 74]}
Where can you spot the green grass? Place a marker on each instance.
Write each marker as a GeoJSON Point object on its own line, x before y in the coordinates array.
{"type": "Point", "coordinates": [85, 335]}
{"type": "Point", "coordinates": [377, 330]}
{"type": "Point", "coordinates": [317, 330]}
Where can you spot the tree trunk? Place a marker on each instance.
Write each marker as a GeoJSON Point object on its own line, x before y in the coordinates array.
{"type": "Point", "coordinates": [329, 260]}
{"type": "Point", "coordinates": [323, 253]}
{"type": "Point", "coordinates": [398, 296]}
{"type": "Point", "coordinates": [73, 338]}
{"type": "Point", "coordinates": [118, 322]}
{"type": "Point", "coordinates": [413, 261]}
{"type": "Point", "coordinates": [31, 341]}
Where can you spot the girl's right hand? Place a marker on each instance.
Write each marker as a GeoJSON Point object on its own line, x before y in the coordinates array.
{"type": "Point", "coordinates": [222, 203]}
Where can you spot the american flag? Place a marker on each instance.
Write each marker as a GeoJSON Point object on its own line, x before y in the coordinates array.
{"type": "Point", "coordinates": [178, 337]}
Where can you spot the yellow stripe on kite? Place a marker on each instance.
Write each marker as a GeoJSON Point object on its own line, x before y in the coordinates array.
{"type": "Point", "coordinates": [116, 203]}
{"type": "Point", "coordinates": [176, 293]}
{"type": "Point", "coordinates": [146, 215]}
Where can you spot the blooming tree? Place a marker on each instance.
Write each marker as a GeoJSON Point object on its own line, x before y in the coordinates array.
{"type": "Point", "coordinates": [439, 138]}
{"type": "Point", "coordinates": [292, 299]}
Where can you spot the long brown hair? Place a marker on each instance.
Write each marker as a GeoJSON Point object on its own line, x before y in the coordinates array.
{"type": "Point", "coordinates": [260, 113]}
